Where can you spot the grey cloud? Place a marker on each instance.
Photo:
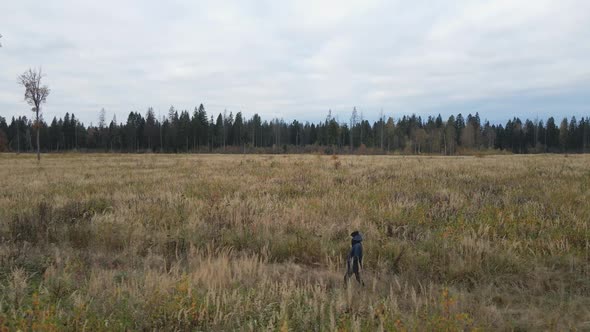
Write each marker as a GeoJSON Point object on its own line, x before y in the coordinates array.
{"type": "Point", "coordinates": [297, 59]}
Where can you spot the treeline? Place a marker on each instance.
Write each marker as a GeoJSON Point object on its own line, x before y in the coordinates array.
{"type": "Point", "coordinates": [232, 133]}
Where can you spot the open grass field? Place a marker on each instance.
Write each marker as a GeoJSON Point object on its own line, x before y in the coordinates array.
{"type": "Point", "coordinates": [247, 242]}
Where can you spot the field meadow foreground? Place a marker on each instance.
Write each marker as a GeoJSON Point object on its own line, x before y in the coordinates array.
{"type": "Point", "coordinates": [247, 242]}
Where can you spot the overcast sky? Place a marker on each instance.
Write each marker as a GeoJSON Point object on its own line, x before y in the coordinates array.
{"type": "Point", "coordinates": [298, 59]}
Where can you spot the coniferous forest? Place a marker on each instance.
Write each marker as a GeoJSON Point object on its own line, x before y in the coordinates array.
{"type": "Point", "coordinates": [199, 132]}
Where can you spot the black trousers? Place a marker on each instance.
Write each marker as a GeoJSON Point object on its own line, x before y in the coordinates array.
{"type": "Point", "coordinates": [353, 266]}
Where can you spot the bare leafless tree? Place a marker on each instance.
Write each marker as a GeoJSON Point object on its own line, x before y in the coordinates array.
{"type": "Point", "coordinates": [35, 95]}
{"type": "Point", "coordinates": [353, 122]}
{"type": "Point", "coordinates": [382, 119]}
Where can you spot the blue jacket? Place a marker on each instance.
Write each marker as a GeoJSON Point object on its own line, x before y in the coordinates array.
{"type": "Point", "coordinates": [357, 248]}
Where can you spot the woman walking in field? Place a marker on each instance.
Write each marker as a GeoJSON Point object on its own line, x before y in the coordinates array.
{"type": "Point", "coordinates": [354, 260]}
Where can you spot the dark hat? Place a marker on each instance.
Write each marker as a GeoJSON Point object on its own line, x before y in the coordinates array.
{"type": "Point", "coordinates": [355, 233]}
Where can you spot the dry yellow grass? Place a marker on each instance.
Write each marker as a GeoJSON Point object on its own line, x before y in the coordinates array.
{"type": "Point", "coordinates": [200, 242]}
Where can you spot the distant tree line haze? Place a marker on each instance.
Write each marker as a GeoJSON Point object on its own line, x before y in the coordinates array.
{"type": "Point", "coordinates": [181, 132]}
